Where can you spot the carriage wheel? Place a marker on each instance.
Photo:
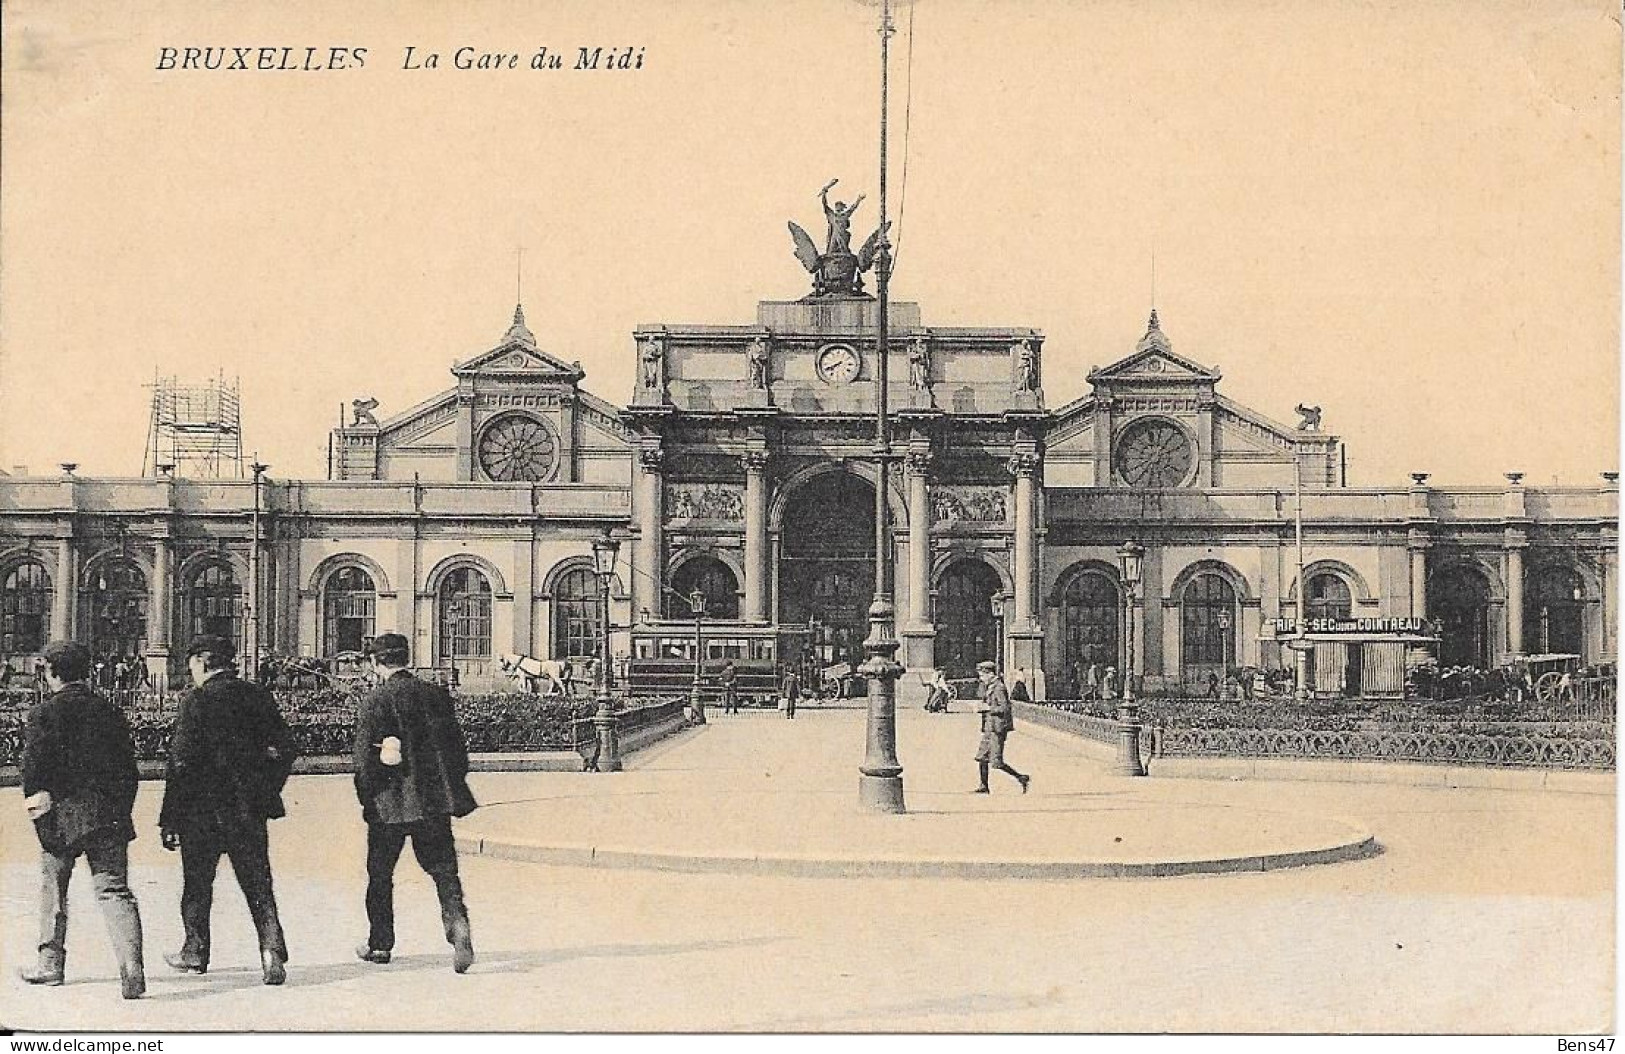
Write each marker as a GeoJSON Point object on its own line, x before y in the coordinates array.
{"type": "Point", "coordinates": [1546, 686]}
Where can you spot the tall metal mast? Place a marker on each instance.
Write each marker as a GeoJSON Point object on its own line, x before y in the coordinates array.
{"type": "Point", "coordinates": [880, 785]}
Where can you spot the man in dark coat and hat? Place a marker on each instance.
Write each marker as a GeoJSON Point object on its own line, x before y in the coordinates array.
{"type": "Point", "coordinates": [79, 782]}
{"type": "Point", "coordinates": [229, 756]}
{"type": "Point", "coordinates": [411, 775]}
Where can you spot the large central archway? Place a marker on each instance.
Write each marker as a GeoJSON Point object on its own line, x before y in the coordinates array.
{"type": "Point", "coordinates": [827, 564]}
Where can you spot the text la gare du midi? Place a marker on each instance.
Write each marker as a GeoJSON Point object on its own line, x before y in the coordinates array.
{"type": "Point", "coordinates": [313, 59]}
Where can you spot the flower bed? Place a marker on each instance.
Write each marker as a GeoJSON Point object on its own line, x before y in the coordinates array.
{"type": "Point", "coordinates": [323, 723]}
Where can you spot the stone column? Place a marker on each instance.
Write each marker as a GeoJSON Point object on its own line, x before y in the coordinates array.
{"type": "Point", "coordinates": [647, 555]}
{"type": "Point", "coordinates": [918, 468]}
{"type": "Point", "coordinates": [1026, 637]}
{"type": "Point", "coordinates": [67, 575]}
{"type": "Point", "coordinates": [919, 633]}
{"type": "Point", "coordinates": [757, 567]}
{"type": "Point", "coordinates": [1024, 467]}
{"type": "Point", "coordinates": [159, 616]}
{"type": "Point", "coordinates": [1516, 541]}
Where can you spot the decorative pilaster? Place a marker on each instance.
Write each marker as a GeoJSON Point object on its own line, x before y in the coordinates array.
{"type": "Point", "coordinates": [67, 575]}
{"type": "Point", "coordinates": [757, 567]}
{"type": "Point", "coordinates": [1418, 544]}
{"type": "Point", "coordinates": [159, 618]}
{"type": "Point", "coordinates": [1516, 542]}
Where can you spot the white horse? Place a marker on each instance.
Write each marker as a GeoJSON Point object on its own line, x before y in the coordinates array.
{"type": "Point", "coordinates": [530, 672]}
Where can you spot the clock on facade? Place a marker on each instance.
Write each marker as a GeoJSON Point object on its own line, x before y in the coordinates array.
{"type": "Point", "coordinates": [516, 448]}
{"type": "Point", "coordinates": [1154, 453]}
{"type": "Point", "coordinates": [838, 364]}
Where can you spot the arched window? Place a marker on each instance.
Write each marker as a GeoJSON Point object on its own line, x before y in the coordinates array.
{"type": "Point", "coordinates": [113, 610]}
{"type": "Point", "coordinates": [967, 625]}
{"type": "Point", "coordinates": [464, 609]}
{"type": "Point", "coordinates": [349, 610]}
{"type": "Point", "coordinates": [711, 577]}
{"type": "Point", "coordinates": [25, 609]}
{"type": "Point", "coordinates": [214, 602]}
{"type": "Point", "coordinates": [1554, 613]}
{"type": "Point", "coordinates": [1328, 597]}
{"type": "Point", "coordinates": [1207, 615]}
{"type": "Point", "coordinates": [1459, 600]}
{"type": "Point", "coordinates": [576, 615]}
{"type": "Point", "coordinates": [1091, 615]}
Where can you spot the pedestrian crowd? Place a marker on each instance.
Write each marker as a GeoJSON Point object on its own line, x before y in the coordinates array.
{"type": "Point", "coordinates": [230, 755]}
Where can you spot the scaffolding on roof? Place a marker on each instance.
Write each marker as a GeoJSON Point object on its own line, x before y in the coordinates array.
{"type": "Point", "coordinates": [196, 430]}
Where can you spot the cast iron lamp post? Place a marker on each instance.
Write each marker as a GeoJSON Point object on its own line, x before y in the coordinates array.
{"type": "Point", "coordinates": [1131, 558]}
{"type": "Point", "coordinates": [604, 550]}
{"type": "Point", "coordinates": [880, 779]}
{"type": "Point", "coordinates": [696, 604]}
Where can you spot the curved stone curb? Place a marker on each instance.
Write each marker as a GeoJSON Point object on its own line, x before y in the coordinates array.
{"type": "Point", "coordinates": [1361, 847]}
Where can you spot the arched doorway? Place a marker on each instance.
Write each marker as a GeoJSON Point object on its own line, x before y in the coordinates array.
{"type": "Point", "coordinates": [349, 609]}
{"type": "Point", "coordinates": [463, 611]}
{"type": "Point", "coordinates": [968, 628]}
{"type": "Point", "coordinates": [1207, 618]}
{"type": "Point", "coordinates": [1459, 599]}
{"type": "Point", "coordinates": [1328, 597]}
{"type": "Point", "coordinates": [113, 609]}
{"type": "Point", "coordinates": [576, 615]}
{"type": "Point", "coordinates": [1091, 620]}
{"type": "Point", "coordinates": [25, 609]}
{"type": "Point", "coordinates": [1336, 667]}
{"type": "Point", "coordinates": [1554, 613]}
{"type": "Point", "coordinates": [714, 579]}
{"type": "Point", "coordinates": [827, 566]}
{"type": "Point", "coordinates": [213, 603]}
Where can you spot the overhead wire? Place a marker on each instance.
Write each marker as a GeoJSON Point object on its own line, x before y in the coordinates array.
{"type": "Point", "coordinates": [908, 108]}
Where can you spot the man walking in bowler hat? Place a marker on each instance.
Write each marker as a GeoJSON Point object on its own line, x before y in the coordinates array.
{"type": "Point", "coordinates": [411, 775]}
{"type": "Point", "coordinates": [229, 758]}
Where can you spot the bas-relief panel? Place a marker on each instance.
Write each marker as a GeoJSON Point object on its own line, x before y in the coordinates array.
{"type": "Point", "coordinates": [969, 504]}
{"type": "Point", "coordinates": [705, 501]}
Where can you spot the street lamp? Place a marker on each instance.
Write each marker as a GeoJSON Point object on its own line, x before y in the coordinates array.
{"type": "Point", "coordinates": [1131, 559]}
{"type": "Point", "coordinates": [604, 550]}
{"type": "Point", "coordinates": [253, 628]}
{"type": "Point", "coordinates": [1224, 642]}
{"type": "Point", "coordinates": [696, 604]}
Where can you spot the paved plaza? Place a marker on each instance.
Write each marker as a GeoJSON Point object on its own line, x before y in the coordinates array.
{"type": "Point", "coordinates": [1486, 910]}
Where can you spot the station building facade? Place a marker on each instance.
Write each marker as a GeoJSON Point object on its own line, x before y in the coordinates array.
{"type": "Point", "coordinates": [742, 469]}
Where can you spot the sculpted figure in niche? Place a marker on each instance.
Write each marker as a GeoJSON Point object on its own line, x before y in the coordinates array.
{"type": "Point", "coordinates": [919, 364]}
{"type": "Point", "coordinates": [757, 358]}
{"type": "Point", "coordinates": [1026, 367]}
{"type": "Point", "coordinates": [654, 361]}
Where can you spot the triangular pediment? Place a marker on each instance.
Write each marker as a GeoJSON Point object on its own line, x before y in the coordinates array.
{"type": "Point", "coordinates": [516, 358]}
{"type": "Point", "coordinates": [1155, 361]}
{"type": "Point", "coordinates": [1155, 364]}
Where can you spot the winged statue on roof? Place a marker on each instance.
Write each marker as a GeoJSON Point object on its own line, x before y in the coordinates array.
{"type": "Point", "coordinates": [837, 271]}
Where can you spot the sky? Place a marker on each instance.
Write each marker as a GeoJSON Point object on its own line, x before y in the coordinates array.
{"type": "Point", "coordinates": [1406, 213]}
